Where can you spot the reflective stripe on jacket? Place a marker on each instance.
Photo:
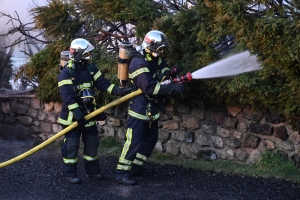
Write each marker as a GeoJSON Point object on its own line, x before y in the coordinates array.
{"type": "Point", "coordinates": [143, 74]}
{"type": "Point", "coordinates": [68, 89]}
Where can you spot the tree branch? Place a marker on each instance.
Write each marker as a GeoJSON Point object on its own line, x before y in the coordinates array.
{"type": "Point", "coordinates": [23, 29]}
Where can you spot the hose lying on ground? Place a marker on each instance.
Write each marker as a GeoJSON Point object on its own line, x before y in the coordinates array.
{"type": "Point", "coordinates": [72, 126]}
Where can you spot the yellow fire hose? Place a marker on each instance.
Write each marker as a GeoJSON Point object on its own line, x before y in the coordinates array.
{"type": "Point", "coordinates": [72, 126]}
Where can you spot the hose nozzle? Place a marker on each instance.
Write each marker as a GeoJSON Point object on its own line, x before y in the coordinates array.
{"type": "Point", "coordinates": [179, 79]}
{"type": "Point", "coordinates": [185, 78]}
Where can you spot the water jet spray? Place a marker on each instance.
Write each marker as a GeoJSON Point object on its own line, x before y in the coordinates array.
{"type": "Point", "coordinates": [230, 66]}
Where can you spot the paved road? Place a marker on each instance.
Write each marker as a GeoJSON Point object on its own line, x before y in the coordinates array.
{"type": "Point", "coordinates": [39, 177]}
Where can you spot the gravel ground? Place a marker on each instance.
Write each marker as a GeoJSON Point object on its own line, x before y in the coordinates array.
{"type": "Point", "coordinates": [39, 177]}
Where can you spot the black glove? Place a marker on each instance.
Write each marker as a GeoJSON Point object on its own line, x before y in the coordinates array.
{"type": "Point", "coordinates": [170, 88]}
{"type": "Point", "coordinates": [175, 70]}
{"type": "Point", "coordinates": [82, 122]}
{"type": "Point", "coordinates": [100, 117]}
{"type": "Point", "coordinates": [121, 91]}
{"type": "Point", "coordinates": [79, 117]}
{"type": "Point", "coordinates": [162, 77]}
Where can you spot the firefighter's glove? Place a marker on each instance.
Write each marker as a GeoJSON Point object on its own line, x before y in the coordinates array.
{"type": "Point", "coordinates": [163, 77]}
{"type": "Point", "coordinates": [101, 117]}
{"type": "Point", "coordinates": [82, 122]}
{"type": "Point", "coordinates": [171, 88]}
{"type": "Point", "coordinates": [78, 115]}
{"type": "Point", "coordinates": [175, 70]}
{"type": "Point", "coordinates": [121, 91]}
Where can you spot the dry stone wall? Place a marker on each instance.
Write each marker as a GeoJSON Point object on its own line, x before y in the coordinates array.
{"type": "Point", "coordinates": [24, 117]}
{"type": "Point", "coordinates": [226, 133]}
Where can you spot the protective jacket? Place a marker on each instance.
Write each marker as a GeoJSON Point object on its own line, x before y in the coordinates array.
{"type": "Point", "coordinates": [84, 77]}
{"type": "Point", "coordinates": [146, 74]}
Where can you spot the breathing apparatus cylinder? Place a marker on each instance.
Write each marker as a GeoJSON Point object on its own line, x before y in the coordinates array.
{"type": "Point", "coordinates": [125, 50]}
{"type": "Point", "coordinates": [64, 58]}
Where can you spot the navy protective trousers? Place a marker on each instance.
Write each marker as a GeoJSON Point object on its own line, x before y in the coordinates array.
{"type": "Point", "coordinates": [70, 150]}
{"type": "Point", "coordinates": [141, 138]}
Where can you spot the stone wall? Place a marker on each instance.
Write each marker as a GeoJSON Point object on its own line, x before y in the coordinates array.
{"type": "Point", "coordinates": [23, 117]}
{"type": "Point", "coordinates": [227, 133]}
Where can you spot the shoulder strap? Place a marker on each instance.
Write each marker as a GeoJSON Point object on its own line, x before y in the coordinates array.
{"type": "Point", "coordinates": [71, 72]}
{"type": "Point", "coordinates": [90, 68]}
{"type": "Point", "coordinates": [134, 54]}
{"type": "Point", "coordinates": [70, 67]}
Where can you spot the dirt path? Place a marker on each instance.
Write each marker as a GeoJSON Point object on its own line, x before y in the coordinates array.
{"type": "Point", "coordinates": [39, 177]}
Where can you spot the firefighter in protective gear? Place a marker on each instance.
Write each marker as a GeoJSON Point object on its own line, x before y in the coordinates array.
{"type": "Point", "coordinates": [146, 71]}
{"type": "Point", "coordinates": [77, 82]}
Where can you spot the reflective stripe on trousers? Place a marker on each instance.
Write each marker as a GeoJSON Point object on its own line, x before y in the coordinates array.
{"type": "Point", "coordinates": [70, 150]}
{"type": "Point", "coordinates": [140, 142]}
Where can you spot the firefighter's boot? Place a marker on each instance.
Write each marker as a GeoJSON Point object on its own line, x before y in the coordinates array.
{"type": "Point", "coordinates": [95, 176]}
{"type": "Point", "coordinates": [124, 178]}
{"type": "Point", "coordinates": [74, 180]}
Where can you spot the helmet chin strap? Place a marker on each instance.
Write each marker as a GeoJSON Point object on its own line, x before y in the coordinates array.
{"type": "Point", "coordinates": [152, 53]}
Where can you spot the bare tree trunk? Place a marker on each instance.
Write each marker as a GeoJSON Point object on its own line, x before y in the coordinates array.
{"type": "Point", "coordinates": [5, 62]}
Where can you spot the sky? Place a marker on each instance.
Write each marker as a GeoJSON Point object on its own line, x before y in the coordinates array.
{"type": "Point", "coordinates": [22, 7]}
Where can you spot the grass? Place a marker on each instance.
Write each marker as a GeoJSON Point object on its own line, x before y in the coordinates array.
{"type": "Point", "coordinates": [57, 144]}
{"type": "Point", "coordinates": [269, 165]}
{"type": "Point", "coordinates": [109, 145]}
{"type": "Point", "coordinates": [279, 165]}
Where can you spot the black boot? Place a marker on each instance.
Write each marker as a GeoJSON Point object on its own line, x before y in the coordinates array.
{"type": "Point", "coordinates": [95, 176]}
{"type": "Point", "coordinates": [124, 178]}
{"type": "Point", "coordinates": [70, 172]}
{"type": "Point", "coordinates": [74, 180]}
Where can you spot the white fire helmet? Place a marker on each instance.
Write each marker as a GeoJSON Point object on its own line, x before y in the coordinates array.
{"type": "Point", "coordinates": [155, 43]}
{"type": "Point", "coordinates": [81, 49]}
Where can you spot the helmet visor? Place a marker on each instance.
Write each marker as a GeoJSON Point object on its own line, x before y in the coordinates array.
{"type": "Point", "coordinates": [89, 48]}
{"type": "Point", "coordinates": [162, 51]}
{"type": "Point", "coordinates": [87, 55]}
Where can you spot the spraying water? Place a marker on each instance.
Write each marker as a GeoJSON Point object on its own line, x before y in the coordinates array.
{"type": "Point", "coordinates": [233, 65]}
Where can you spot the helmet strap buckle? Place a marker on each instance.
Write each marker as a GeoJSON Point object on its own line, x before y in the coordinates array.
{"type": "Point", "coordinates": [152, 53]}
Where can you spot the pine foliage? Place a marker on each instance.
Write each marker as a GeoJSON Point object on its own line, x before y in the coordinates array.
{"type": "Point", "coordinates": [199, 35]}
